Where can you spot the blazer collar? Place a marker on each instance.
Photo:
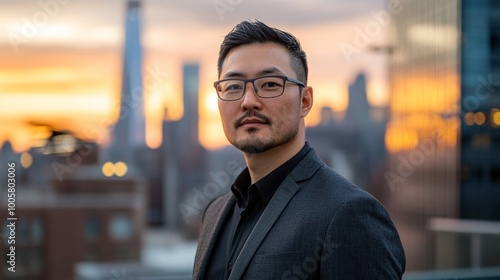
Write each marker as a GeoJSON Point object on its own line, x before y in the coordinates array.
{"type": "Point", "coordinates": [307, 167]}
{"type": "Point", "coordinates": [303, 171]}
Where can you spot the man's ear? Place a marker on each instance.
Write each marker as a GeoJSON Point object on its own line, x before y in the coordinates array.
{"type": "Point", "coordinates": [306, 101]}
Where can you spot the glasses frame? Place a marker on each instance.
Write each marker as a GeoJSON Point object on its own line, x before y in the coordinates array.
{"type": "Point", "coordinates": [246, 81]}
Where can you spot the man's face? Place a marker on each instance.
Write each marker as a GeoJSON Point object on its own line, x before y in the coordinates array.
{"type": "Point", "coordinates": [253, 124]}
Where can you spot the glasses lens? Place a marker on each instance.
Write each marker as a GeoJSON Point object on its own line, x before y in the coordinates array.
{"type": "Point", "coordinates": [270, 86]}
{"type": "Point", "coordinates": [230, 89]}
{"type": "Point", "coordinates": [266, 87]}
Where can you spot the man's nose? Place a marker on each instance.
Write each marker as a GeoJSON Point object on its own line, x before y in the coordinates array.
{"type": "Point", "coordinates": [251, 101]}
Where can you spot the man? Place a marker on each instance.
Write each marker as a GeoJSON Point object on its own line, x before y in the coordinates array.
{"type": "Point", "coordinates": [288, 216]}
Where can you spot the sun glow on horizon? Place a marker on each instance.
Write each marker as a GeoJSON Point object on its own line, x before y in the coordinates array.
{"type": "Point", "coordinates": [68, 77]}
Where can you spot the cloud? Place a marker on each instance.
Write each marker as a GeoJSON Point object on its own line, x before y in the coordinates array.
{"type": "Point", "coordinates": [286, 12]}
{"type": "Point", "coordinates": [97, 22]}
{"type": "Point", "coordinates": [218, 13]}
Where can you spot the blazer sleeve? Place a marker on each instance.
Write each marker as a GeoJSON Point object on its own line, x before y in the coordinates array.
{"type": "Point", "coordinates": [362, 243]}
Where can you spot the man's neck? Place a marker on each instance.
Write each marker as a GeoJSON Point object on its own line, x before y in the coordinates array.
{"type": "Point", "coordinates": [261, 164]}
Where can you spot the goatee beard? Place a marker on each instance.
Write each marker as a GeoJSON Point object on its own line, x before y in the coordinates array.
{"type": "Point", "coordinates": [255, 145]}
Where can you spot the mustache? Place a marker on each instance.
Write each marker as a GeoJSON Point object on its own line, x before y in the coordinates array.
{"type": "Point", "coordinates": [250, 114]}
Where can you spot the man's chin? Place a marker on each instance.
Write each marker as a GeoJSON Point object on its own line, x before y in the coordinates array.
{"type": "Point", "coordinates": [254, 146]}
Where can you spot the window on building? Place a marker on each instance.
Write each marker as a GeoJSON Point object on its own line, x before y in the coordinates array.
{"type": "Point", "coordinates": [37, 230]}
{"type": "Point", "coordinates": [92, 228]}
{"type": "Point", "coordinates": [121, 227]}
{"type": "Point", "coordinates": [495, 175]}
{"type": "Point", "coordinates": [22, 230]}
{"type": "Point", "coordinates": [481, 141]}
{"type": "Point", "coordinates": [472, 174]}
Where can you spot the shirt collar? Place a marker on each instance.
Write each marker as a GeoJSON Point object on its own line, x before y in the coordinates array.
{"type": "Point", "coordinates": [267, 185]}
{"type": "Point", "coordinates": [241, 186]}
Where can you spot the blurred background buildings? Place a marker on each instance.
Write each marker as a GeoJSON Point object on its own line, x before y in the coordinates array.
{"type": "Point", "coordinates": [443, 135]}
{"type": "Point", "coordinates": [127, 209]}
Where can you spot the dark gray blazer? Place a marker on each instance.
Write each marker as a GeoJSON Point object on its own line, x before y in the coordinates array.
{"type": "Point", "coordinates": [318, 225]}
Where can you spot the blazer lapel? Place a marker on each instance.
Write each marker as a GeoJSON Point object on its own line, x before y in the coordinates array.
{"type": "Point", "coordinates": [213, 222]}
{"type": "Point", "coordinates": [303, 171]}
{"type": "Point", "coordinates": [270, 215]}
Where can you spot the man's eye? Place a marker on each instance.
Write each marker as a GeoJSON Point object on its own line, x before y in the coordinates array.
{"type": "Point", "coordinates": [270, 85]}
{"type": "Point", "coordinates": [233, 87]}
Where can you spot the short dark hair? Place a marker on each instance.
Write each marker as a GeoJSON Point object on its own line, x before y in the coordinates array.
{"type": "Point", "coordinates": [249, 32]}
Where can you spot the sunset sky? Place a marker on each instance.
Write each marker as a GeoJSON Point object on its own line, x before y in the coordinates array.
{"type": "Point", "coordinates": [60, 60]}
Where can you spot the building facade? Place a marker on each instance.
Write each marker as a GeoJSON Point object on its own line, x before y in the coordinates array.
{"type": "Point", "coordinates": [480, 114]}
{"type": "Point", "coordinates": [94, 219]}
{"type": "Point", "coordinates": [442, 135]}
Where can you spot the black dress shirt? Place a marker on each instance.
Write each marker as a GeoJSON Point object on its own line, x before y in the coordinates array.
{"type": "Point", "coordinates": [251, 200]}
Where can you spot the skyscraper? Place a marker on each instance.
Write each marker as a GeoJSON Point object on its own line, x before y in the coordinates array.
{"type": "Point", "coordinates": [190, 81]}
{"type": "Point", "coordinates": [184, 157]}
{"type": "Point", "coordinates": [354, 146]}
{"type": "Point", "coordinates": [480, 114]}
{"type": "Point", "coordinates": [443, 135]}
{"type": "Point", "coordinates": [358, 112]}
{"type": "Point", "coordinates": [360, 115]}
{"type": "Point", "coordinates": [129, 132]}
{"type": "Point", "coordinates": [421, 135]}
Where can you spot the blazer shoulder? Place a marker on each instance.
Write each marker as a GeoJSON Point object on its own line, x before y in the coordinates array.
{"type": "Point", "coordinates": [215, 206]}
{"type": "Point", "coordinates": [336, 189]}
{"type": "Point", "coordinates": [322, 184]}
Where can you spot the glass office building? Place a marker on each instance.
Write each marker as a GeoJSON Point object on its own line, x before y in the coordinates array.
{"type": "Point", "coordinates": [443, 134]}
{"type": "Point", "coordinates": [480, 103]}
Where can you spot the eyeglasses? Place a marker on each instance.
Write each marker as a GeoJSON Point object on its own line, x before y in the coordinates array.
{"type": "Point", "coordinates": [265, 87]}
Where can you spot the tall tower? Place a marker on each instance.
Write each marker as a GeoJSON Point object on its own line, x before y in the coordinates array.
{"type": "Point", "coordinates": [358, 112]}
{"type": "Point", "coordinates": [129, 132]}
{"type": "Point", "coordinates": [184, 156]}
{"type": "Point", "coordinates": [190, 81]}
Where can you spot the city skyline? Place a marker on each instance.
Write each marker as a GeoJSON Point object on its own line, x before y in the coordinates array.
{"type": "Point", "coordinates": [56, 78]}
{"type": "Point", "coordinates": [413, 119]}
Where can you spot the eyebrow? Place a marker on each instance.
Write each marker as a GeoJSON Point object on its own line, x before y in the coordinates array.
{"type": "Point", "coordinates": [267, 71]}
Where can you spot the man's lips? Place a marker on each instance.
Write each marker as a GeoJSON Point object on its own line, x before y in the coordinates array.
{"type": "Point", "coordinates": [252, 118]}
{"type": "Point", "coordinates": [252, 121]}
